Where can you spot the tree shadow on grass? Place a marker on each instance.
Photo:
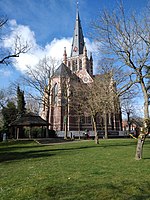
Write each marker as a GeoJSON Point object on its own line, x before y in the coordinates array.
{"type": "Point", "coordinates": [20, 145]}
{"type": "Point", "coordinates": [108, 190]}
{"type": "Point", "coordinates": [11, 148]}
{"type": "Point", "coordinates": [12, 156]}
{"type": "Point", "coordinates": [8, 153]}
{"type": "Point", "coordinates": [147, 158]}
{"type": "Point", "coordinates": [129, 190]}
{"type": "Point", "coordinates": [16, 155]}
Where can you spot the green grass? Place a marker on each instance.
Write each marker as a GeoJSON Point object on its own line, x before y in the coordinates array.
{"type": "Point", "coordinates": [74, 171]}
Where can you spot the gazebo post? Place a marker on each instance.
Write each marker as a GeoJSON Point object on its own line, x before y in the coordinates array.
{"type": "Point", "coordinates": [46, 132]}
{"type": "Point", "coordinates": [42, 132]}
{"type": "Point", "coordinates": [17, 133]}
{"type": "Point", "coordinates": [30, 132]}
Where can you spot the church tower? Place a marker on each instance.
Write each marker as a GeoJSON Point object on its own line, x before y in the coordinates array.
{"type": "Point", "coordinates": [78, 60]}
{"type": "Point", "coordinates": [78, 38]}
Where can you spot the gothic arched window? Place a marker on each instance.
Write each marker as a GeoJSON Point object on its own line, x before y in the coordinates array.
{"type": "Point", "coordinates": [80, 64]}
{"type": "Point", "coordinates": [55, 93]}
{"type": "Point", "coordinates": [74, 65]}
{"type": "Point", "coordinates": [69, 64]}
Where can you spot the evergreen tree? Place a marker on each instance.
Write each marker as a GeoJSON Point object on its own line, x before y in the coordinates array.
{"type": "Point", "coordinates": [9, 115]}
{"type": "Point", "coordinates": [20, 101]}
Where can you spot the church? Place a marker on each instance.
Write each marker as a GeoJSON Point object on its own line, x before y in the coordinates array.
{"type": "Point", "coordinates": [78, 67]}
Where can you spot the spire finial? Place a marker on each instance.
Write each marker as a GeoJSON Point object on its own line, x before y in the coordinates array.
{"type": "Point", "coordinates": [77, 6]}
{"type": "Point", "coordinates": [65, 56]}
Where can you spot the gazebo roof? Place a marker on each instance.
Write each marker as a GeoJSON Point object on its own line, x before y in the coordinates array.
{"type": "Point", "coordinates": [29, 119]}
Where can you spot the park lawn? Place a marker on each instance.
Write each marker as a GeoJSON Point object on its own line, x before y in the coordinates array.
{"type": "Point", "coordinates": [74, 171]}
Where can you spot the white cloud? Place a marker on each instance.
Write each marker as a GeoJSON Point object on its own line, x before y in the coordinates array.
{"type": "Point", "coordinates": [24, 32]}
{"type": "Point", "coordinates": [53, 49]}
{"type": "Point", "coordinates": [56, 47]}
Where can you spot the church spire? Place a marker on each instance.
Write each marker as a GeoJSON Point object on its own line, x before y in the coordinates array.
{"type": "Point", "coordinates": [65, 56]}
{"type": "Point", "coordinates": [78, 38]}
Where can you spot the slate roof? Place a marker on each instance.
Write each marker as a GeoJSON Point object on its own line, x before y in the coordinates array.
{"type": "Point", "coordinates": [29, 119]}
{"type": "Point", "coordinates": [64, 71]}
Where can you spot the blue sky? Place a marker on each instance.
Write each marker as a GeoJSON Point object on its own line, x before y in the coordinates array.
{"type": "Point", "coordinates": [49, 24]}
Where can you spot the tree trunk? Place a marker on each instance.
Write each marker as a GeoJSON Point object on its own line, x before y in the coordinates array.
{"type": "Point", "coordinates": [79, 126]}
{"type": "Point", "coordinates": [145, 94]}
{"type": "Point", "coordinates": [128, 120]}
{"type": "Point", "coordinates": [139, 148]}
{"type": "Point", "coordinates": [65, 133]}
{"type": "Point", "coordinates": [141, 138]}
{"type": "Point", "coordinates": [95, 130]}
{"type": "Point", "coordinates": [47, 119]}
{"type": "Point", "coordinates": [106, 125]}
{"type": "Point", "coordinates": [65, 127]}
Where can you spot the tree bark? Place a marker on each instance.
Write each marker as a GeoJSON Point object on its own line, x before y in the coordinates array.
{"type": "Point", "coordinates": [141, 138]}
{"type": "Point", "coordinates": [106, 125]}
{"type": "Point", "coordinates": [139, 149]}
{"type": "Point", "coordinates": [79, 126]}
{"type": "Point", "coordinates": [145, 94]}
{"type": "Point", "coordinates": [65, 127]}
{"type": "Point", "coordinates": [47, 120]}
{"type": "Point", "coordinates": [95, 130]}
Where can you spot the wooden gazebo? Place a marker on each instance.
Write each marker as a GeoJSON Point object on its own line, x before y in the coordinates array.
{"type": "Point", "coordinates": [28, 120]}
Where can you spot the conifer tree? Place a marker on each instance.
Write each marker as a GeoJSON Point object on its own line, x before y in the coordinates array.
{"type": "Point", "coordinates": [9, 115]}
{"type": "Point", "coordinates": [20, 101]}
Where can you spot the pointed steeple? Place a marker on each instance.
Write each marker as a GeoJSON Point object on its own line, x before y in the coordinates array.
{"type": "Point", "coordinates": [65, 56]}
{"type": "Point", "coordinates": [78, 38]}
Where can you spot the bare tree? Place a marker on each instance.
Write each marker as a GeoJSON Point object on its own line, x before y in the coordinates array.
{"type": "Point", "coordinates": [32, 105]}
{"type": "Point", "coordinates": [3, 98]}
{"type": "Point", "coordinates": [128, 107]}
{"type": "Point", "coordinates": [18, 48]}
{"type": "Point", "coordinates": [6, 96]}
{"type": "Point", "coordinates": [127, 40]}
{"type": "Point", "coordinates": [79, 101]}
{"type": "Point", "coordinates": [38, 82]}
{"type": "Point", "coordinates": [96, 98]}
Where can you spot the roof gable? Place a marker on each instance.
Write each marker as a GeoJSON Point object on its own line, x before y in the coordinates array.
{"type": "Point", "coordinates": [29, 119]}
{"type": "Point", "coordinates": [62, 71]}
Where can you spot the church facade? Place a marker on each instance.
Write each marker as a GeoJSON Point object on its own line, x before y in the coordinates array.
{"type": "Point", "coordinates": [78, 67]}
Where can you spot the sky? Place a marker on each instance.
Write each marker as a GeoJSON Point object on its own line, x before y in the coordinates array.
{"type": "Point", "coordinates": [47, 25]}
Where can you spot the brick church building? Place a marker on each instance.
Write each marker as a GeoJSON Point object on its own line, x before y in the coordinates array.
{"type": "Point", "coordinates": [77, 67]}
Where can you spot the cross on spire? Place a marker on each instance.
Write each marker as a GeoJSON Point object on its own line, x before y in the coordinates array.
{"type": "Point", "coordinates": [77, 5]}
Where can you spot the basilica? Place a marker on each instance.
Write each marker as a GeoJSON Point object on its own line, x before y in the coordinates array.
{"type": "Point", "coordinates": [74, 68]}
